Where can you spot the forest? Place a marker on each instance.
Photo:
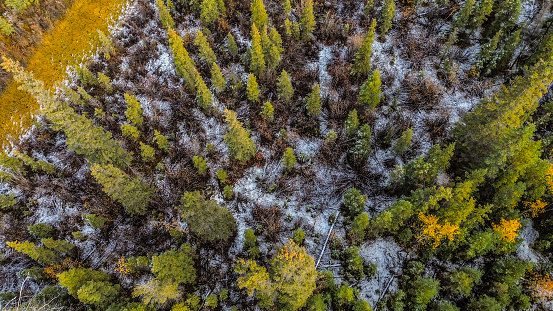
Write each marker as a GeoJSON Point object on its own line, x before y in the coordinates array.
{"type": "Point", "coordinates": [187, 155]}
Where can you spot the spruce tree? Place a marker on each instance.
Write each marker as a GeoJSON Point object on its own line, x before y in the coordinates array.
{"type": "Point", "coordinates": [253, 88]}
{"type": "Point", "coordinates": [259, 14]}
{"type": "Point", "coordinates": [486, 54]}
{"type": "Point", "coordinates": [129, 131]}
{"type": "Point", "coordinates": [134, 110]}
{"type": "Point", "coordinates": [388, 12]}
{"type": "Point", "coordinates": [241, 146]}
{"type": "Point", "coordinates": [284, 86]}
{"type": "Point", "coordinates": [164, 15]}
{"type": "Point", "coordinates": [480, 13]}
{"type": "Point", "coordinates": [231, 44]}
{"type": "Point", "coordinates": [352, 123]}
{"type": "Point", "coordinates": [313, 102]}
{"type": "Point", "coordinates": [6, 28]}
{"type": "Point", "coordinates": [209, 11]}
{"type": "Point", "coordinates": [257, 63]}
{"type": "Point", "coordinates": [276, 39]}
{"type": "Point", "coordinates": [271, 52]}
{"type": "Point", "coordinates": [184, 65]}
{"type": "Point", "coordinates": [133, 194]}
{"type": "Point", "coordinates": [203, 95]}
{"type": "Point", "coordinates": [362, 63]}
{"type": "Point", "coordinates": [368, 7]}
{"type": "Point", "coordinates": [287, 7]}
{"type": "Point", "coordinates": [370, 90]}
{"type": "Point", "coordinates": [267, 111]}
{"type": "Point", "coordinates": [289, 159]}
{"type": "Point", "coordinates": [307, 20]}
{"type": "Point", "coordinates": [362, 148]}
{"type": "Point", "coordinates": [206, 53]}
{"type": "Point", "coordinates": [217, 78]}
{"type": "Point", "coordinates": [462, 18]}
{"type": "Point", "coordinates": [403, 142]}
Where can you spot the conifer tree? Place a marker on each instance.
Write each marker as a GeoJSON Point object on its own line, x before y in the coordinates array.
{"type": "Point", "coordinates": [370, 90]}
{"type": "Point", "coordinates": [257, 63]}
{"type": "Point", "coordinates": [6, 28]}
{"type": "Point", "coordinates": [209, 11]}
{"type": "Point", "coordinates": [352, 123]}
{"type": "Point", "coordinates": [231, 44]}
{"type": "Point", "coordinates": [164, 15]}
{"type": "Point", "coordinates": [388, 12]}
{"type": "Point", "coordinates": [480, 13]}
{"type": "Point", "coordinates": [288, 27]}
{"type": "Point", "coordinates": [486, 55]}
{"type": "Point", "coordinates": [313, 101]}
{"type": "Point", "coordinates": [203, 95]}
{"type": "Point", "coordinates": [134, 110]}
{"type": "Point", "coordinates": [147, 152]}
{"type": "Point", "coordinates": [368, 8]}
{"type": "Point", "coordinates": [505, 54]}
{"type": "Point", "coordinates": [287, 7]}
{"type": "Point", "coordinates": [217, 78]}
{"type": "Point", "coordinates": [206, 219]}
{"type": "Point", "coordinates": [362, 63]}
{"type": "Point", "coordinates": [403, 142]}
{"type": "Point", "coordinates": [241, 146]}
{"type": "Point", "coordinates": [131, 192]}
{"type": "Point", "coordinates": [276, 39]}
{"type": "Point", "coordinates": [462, 18]}
{"type": "Point", "coordinates": [253, 88]}
{"type": "Point", "coordinates": [130, 131]}
{"type": "Point", "coordinates": [307, 20]}
{"type": "Point", "coordinates": [106, 45]}
{"type": "Point", "coordinates": [289, 159]}
{"type": "Point", "coordinates": [161, 140]}
{"type": "Point", "coordinates": [206, 53]}
{"type": "Point", "coordinates": [185, 66]}
{"type": "Point", "coordinates": [271, 52]}
{"type": "Point", "coordinates": [200, 165]}
{"type": "Point", "coordinates": [267, 111]}
{"type": "Point", "coordinates": [362, 148]}
{"type": "Point", "coordinates": [259, 14]}
{"type": "Point", "coordinates": [505, 16]}
{"type": "Point", "coordinates": [284, 86]}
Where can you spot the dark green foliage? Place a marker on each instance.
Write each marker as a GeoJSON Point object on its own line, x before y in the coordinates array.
{"type": "Point", "coordinates": [388, 12]}
{"type": "Point", "coordinates": [423, 170]}
{"type": "Point", "coordinates": [462, 281]}
{"type": "Point", "coordinates": [362, 63]}
{"type": "Point", "coordinates": [298, 236]}
{"type": "Point", "coordinates": [207, 220]}
{"type": "Point", "coordinates": [403, 142]}
{"type": "Point", "coordinates": [484, 303]}
{"type": "Point", "coordinates": [97, 222]}
{"type": "Point", "coordinates": [241, 146]}
{"type": "Point", "coordinates": [362, 147]}
{"type": "Point", "coordinates": [90, 286]}
{"type": "Point", "coordinates": [353, 263]}
{"type": "Point", "coordinates": [231, 44]}
{"type": "Point", "coordinates": [352, 123]}
{"type": "Point", "coordinates": [175, 266]}
{"type": "Point", "coordinates": [131, 192]}
{"type": "Point", "coordinates": [354, 202]}
{"type": "Point", "coordinates": [250, 239]}
{"type": "Point", "coordinates": [284, 85]}
{"type": "Point", "coordinates": [41, 230]}
{"type": "Point", "coordinates": [370, 91]}
{"type": "Point", "coordinates": [359, 227]}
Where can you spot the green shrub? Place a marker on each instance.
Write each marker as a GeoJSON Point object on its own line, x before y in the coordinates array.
{"type": "Point", "coordinates": [41, 230]}
{"type": "Point", "coordinates": [298, 236]}
{"type": "Point", "coordinates": [97, 222]}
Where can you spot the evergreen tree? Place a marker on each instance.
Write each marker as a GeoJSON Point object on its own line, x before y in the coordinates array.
{"type": "Point", "coordinates": [161, 141]}
{"type": "Point", "coordinates": [271, 52]}
{"type": "Point", "coordinates": [257, 63]}
{"type": "Point", "coordinates": [134, 110]}
{"type": "Point", "coordinates": [147, 152]}
{"type": "Point", "coordinates": [259, 14]}
{"type": "Point", "coordinates": [129, 131]}
{"type": "Point", "coordinates": [209, 12]}
{"type": "Point", "coordinates": [106, 45]}
{"type": "Point", "coordinates": [276, 39]}
{"type": "Point", "coordinates": [352, 123]}
{"type": "Point", "coordinates": [290, 284]}
{"type": "Point", "coordinates": [231, 43]}
{"type": "Point", "coordinates": [131, 192]}
{"type": "Point", "coordinates": [362, 147]}
{"type": "Point", "coordinates": [284, 86]}
{"type": "Point", "coordinates": [368, 8]}
{"type": "Point", "coordinates": [217, 78]}
{"type": "Point", "coordinates": [313, 101]}
{"type": "Point", "coordinates": [267, 111]}
{"type": "Point", "coordinates": [39, 254]}
{"type": "Point", "coordinates": [287, 7]}
{"type": "Point", "coordinates": [164, 15]}
{"type": "Point", "coordinates": [505, 16]}
{"type": "Point", "coordinates": [206, 53]}
{"type": "Point", "coordinates": [185, 66]}
{"type": "Point", "coordinates": [388, 12]}
{"type": "Point", "coordinates": [241, 146]}
{"type": "Point", "coordinates": [6, 29]}
{"type": "Point", "coordinates": [200, 165]}
{"type": "Point", "coordinates": [203, 95]}
{"type": "Point", "coordinates": [207, 220]}
{"type": "Point", "coordinates": [370, 91]}
{"type": "Point", "coordinates": [289, 159]}
{"type": "Point", "coordinates": [362, 63]}
{"type": "Point", "coordinates": [307, 20]}
{"type": "Point", "coordinates": [175, 266]}
{"type": "Point", "coordinates": [545, 48]}
{"type": "Point", "coordinates": [354, 202]}
{"type": "Point", "coordinates": [253, 89]}
{"type": "Point", "coordinates": [480, 13]}
{"type": "Point", "coordinates": [505, 54]}
{"type": "Point", "coordinates": [486, 58]}
{"type": "Point", "coordinates": [403, 142]}
{"type": "Point", "coordinates": [462, 18]}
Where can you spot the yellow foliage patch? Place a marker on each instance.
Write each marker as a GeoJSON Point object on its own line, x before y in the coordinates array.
{"type": "Point", "coordinates": [433, 233]}
{"type": "Point", "coordinates": [535, 208]}
{"type": "Point", "coordinates": [508, 229]}
{"type": "Point", "coordinates": [68, 44]}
